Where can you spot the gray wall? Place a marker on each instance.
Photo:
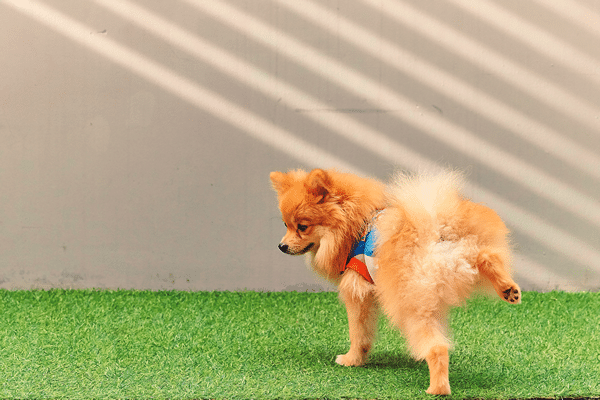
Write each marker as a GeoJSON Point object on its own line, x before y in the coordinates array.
{"type": "Point", "coordinates": [136, 137]}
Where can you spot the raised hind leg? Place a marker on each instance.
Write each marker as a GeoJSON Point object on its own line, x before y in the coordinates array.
{"type": "Point", "coordinates": [492, 265]}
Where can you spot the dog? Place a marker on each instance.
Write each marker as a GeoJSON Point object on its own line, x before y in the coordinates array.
{"type": "Point", "coordinates": [413, 248]}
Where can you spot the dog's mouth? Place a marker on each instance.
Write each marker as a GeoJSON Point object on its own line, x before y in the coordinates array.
{"type": "Point", "coordinates": [286, 249]}
{"type": "Point", "coordinates": [307, 248]}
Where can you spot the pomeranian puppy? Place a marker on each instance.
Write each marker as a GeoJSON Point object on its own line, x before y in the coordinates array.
{"type": "Point", "coordinates": [415, 248]}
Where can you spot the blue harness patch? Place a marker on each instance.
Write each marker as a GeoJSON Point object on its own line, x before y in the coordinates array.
{"type": "Point", "coordinates": [366, 245]}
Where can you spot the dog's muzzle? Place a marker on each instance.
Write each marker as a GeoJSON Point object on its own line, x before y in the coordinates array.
{"type": "Point", "coordinates": [286, 249]}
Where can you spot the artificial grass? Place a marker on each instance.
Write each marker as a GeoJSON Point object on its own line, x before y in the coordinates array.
{"type": "Point", "coordinates": [142, 344]}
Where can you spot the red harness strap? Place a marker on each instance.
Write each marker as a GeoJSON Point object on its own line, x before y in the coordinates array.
{"type": "Point", "coordinates": [360, 267]}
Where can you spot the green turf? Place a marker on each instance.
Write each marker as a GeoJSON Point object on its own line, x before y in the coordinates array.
{"type": "Point", "coordinates": [141, 344]}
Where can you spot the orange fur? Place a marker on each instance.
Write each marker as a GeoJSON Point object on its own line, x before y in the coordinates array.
{"type": "Point", "coordinates": [433, 247]}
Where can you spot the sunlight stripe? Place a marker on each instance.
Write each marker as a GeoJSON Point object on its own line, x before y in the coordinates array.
{"type": "Point", "coordinates": [257, 79]}
{"type": "Point", "coordinates": [538, 88]}
{"type": "Point", "coordinates": [539, 40]}
{"type": "Point", "coordinates": [268, 133]}
{"type": "Point", "coordinates": [580, 15]}
{"type": "Point", "coordinates": [529, 271]}
{"type": "Point", "coordinates": [538, 229]}
{"type": "Point", "coordinates": [443, 130]}
{"type": "Point", "coordinates": [525, 127]}
{"type": "Point", "coordinates": [187, 90]}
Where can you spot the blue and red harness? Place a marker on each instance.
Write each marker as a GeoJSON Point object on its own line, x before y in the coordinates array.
{"type": "Point", "coordinates": [361, 257]}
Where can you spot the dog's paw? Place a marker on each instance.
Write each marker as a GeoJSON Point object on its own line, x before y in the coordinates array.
{"type": "Point", "coordinates": [348, 360]}
{"type": "Point", "coordinates": [512, 294]}
{"type": "Point", "coordinates": [442, 389]}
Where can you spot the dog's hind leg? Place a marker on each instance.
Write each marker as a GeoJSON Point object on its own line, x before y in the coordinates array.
{"type": "Point", "coordinates": [427, 341]}
{"type": "Point", "coordinates": [438, 362]}
{"type": "Point", "coordinates": [362, 321]}
{"type": "Point", "coordinates": [492, 264]}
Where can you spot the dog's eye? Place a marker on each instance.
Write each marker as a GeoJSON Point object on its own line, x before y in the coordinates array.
{"type": "Point", "coordinates": [284, 224]}
{"type": "Point", "coordinates": [302, 228]}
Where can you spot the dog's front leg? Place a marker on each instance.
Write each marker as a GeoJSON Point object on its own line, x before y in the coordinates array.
{"type": "Point", "coordinates": [362, 321]}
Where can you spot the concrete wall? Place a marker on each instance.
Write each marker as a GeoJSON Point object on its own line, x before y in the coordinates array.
{"type": "Point", "coordinates": [136, 137]}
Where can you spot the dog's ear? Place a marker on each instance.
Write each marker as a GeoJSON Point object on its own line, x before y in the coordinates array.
{"type": "Point", "coordinates": [279, 181]}
{"type": "Point", "coordinates": [318, 184]}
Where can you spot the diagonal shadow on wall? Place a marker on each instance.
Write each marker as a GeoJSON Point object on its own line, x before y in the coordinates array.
{"type": "Point", "coordinates": [385, 114]}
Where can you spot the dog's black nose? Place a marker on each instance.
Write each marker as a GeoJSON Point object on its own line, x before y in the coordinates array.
{"type": "Point", "coordinates": [283, 247]}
